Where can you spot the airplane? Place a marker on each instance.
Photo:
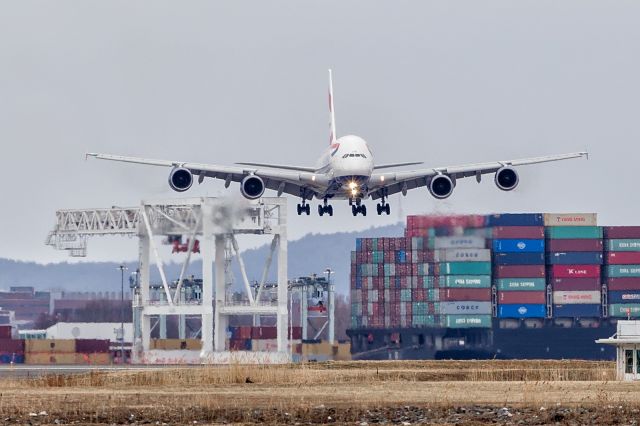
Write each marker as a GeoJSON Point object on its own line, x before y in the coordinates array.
{"type": "Point", "coordinates": [345, 171]}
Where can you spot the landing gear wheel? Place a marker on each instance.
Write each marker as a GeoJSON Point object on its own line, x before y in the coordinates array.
{"type": "Point", "coordinates": [320, 210]}
{"type": "Point", "coordinates": [299, 209]}
{"type": "Point", "coordinates": [330, 210]}
{"type": "Point", "coordinates": [379, 209]}
{"type": "Point", "coordinates": [354, 210]}
{"type": "Point", "coordinates": [388, 209]}
{"type": "Point", "coordinates": [307, 209]}
{"type": "Point", "coordinates": [363, 210]}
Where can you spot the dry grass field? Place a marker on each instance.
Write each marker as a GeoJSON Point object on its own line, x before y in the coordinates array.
{"type": "Point", "coordinates": [440, 392]}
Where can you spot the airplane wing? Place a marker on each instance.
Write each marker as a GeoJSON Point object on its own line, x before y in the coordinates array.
{"type": "Point", "coordinates": [393, 182]}
{"type": "Point", "coordinates": [279, 166]}
{"type": "Point", "coordinates": [388, 166]}
{"type": "Point", "coordinates": [283, 181]}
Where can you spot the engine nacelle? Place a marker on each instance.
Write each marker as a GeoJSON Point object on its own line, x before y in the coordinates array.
{"type": "Point", "coordinates": [441, 186]}
{"type": "Point", "coordinates": [252, 187]}
{"type": "Point", "coordinates": [507, 178]}
{"type": "Point", "coordinates": [180, 179]}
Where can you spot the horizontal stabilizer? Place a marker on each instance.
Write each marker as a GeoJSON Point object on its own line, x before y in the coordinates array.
{"type": "Point", "coordinates": [276, 166]}
{"type": "Point", "coordinates": [388, 166]}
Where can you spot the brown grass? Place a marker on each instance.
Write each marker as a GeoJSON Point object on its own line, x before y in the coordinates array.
{"type": "Point", "coordinates": [348, 390]}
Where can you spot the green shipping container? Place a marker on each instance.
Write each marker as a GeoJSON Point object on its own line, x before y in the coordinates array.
{"type": "Point", "coordinates": [620, 310]}
{"type": "Point", "coordinates": [623, 271]}
{"type": "Point", "coordinates": [424, 281]}
{"type": "Point", "coordinates": [573, 232]}
{"type": "Point", "coordinates": [521, 284]}
{"type": "Point", "coordinates": [622, 245]}
{"type": "Point", "coordinates": [465, 268]}
{"type": "Point", "coordinates": [467, 321]}
{"type": "Point", "coordinates": [405, 295]}
{"type": "Point", "coordinates": [465, 281]}
{"type": "Point", "coordinates": [420, 308]}
{"type": "Point", "coordinates": [424, 320]}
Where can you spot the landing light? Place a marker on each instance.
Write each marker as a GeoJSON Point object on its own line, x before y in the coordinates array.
{"type": "Point", "coordinates": [353, 185]}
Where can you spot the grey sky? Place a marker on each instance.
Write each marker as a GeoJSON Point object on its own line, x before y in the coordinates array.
{"type": "Point", "coordinates": [444, 82]}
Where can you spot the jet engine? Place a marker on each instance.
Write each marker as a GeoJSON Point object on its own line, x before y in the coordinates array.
{"type": "Point", "coordinates": [441, 186]}
{"type": "Point", "coordinates": [180, 179]}
{"type": "Point", "coordinates": [506, 178]}
{"type": "Point", "coordinates": [252, 187]}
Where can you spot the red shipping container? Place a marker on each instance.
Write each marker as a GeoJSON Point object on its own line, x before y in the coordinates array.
{"type": "Point", "coordinates": [579, 284]}
{"type": "Point", "coordinates": [522, 297]}
{"type": "Point", "coordinates": [92, 346]}
{"type": "Point", "coordinates": [621, 232]}
{"type": "Point", "coordinates": [12, 346]}
{"type": "Point", "coordinates": [465, 294]}
{"type": "Point", "coordinates": [574, 245]}
{"type": "Point", "coordinates": [575, 271]}
{"type": "Point", "coordinates": [628, 283]}
{"type": "Point", "coordinates": [519, 271]}
{"type": "Point", "coordinates": [622, 257]}
{"type": "Point", "coordinates": [419, 295]}
{"type": "Point", "coordinates": [5, 332]}
{"type": "Point", "coordinates": [528, 232]}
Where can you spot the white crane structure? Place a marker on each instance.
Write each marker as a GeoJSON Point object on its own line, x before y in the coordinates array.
{"type": "Point", "coordinates": [215, 222]}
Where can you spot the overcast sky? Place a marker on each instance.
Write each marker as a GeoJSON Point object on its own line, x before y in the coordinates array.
{"type": "Point", "coordinates": [225, 81]}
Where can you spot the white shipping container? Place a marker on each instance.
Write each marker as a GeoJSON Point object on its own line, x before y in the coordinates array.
{"type": "Point", "coordinates": [570, 219]}
{"type": "Point", "coordinates": [462, 255]}
{"type": "Point", "coordinates": [462, 308]}
{"type": "Point", "coordinates": [576, 297]}
{"type": "Point", "coordinates": [459, 242]}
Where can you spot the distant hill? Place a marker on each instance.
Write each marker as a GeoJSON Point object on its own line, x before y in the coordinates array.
{"type": "Point", "coordinates": [312, 253]}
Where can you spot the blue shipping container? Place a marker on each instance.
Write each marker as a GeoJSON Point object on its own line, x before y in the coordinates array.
{"type": "Point", "coordinates": [518, 246]}
{"type": "Point", "coordinates": [575, 311]}
{"type": "Point", "coordinates": [515, 219]}
{"type": "Point", "coordinates": [358, 244]}
{"type": "Point", "coordinates": [518, 258]}
{"type": "Point", "coordinates": [624, 296]}
{"type": "Point", "coordinates": [401, 256]}
{"type": "Point", "coordinates": [575, 258]}
{"type": "Point", "coordinates": [522, 311]}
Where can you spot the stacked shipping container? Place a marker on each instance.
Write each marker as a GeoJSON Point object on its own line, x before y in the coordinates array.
{"type": "Point", "coordinates": [622, 271]}
{"type": "Point", "coordinates": [518, 259]}
{"type": "Point", "coordinates": [439, 274]}
{"type": "Point", "coordinates": [574, 259]}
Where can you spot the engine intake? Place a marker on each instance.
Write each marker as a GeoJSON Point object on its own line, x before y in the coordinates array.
{"type": "Point", "coordinates": [441, 186]}
{"type": "Point", "coordinates": [252, 187]}
{"type": "Point", "coordinates": [506, 178]}
{"type": "Point", "coordinates": [180, 179]}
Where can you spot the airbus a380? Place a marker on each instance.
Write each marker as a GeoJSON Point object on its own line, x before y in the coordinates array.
{"type": "Point", "coordinates": [346, 171]}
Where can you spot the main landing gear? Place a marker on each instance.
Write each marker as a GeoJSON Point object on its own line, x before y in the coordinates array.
{"type": "Point", "coordinates": [325, 208]}
{"type": "Point", "coordinates": [358, 207]}
{"type": "Point", "coordinates": [383, 207]}
{"type": "Point", "coordinates": [304, 208]}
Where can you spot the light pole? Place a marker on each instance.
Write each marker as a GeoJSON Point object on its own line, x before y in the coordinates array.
{"type": "Point", "coordinates": [122, 268]}
{"type": "Point", "coordinates": [332, 310]}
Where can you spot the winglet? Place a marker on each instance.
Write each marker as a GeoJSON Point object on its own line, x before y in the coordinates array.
{"type": "Point", "coordinates": [89, 154]}
{"type": "Point", "coordinates": [332, 116]}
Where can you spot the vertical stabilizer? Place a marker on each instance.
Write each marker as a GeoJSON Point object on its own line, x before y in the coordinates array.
{"type": "Point", "coordinates": [332, 116]}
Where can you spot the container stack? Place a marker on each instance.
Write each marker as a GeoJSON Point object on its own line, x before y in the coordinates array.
{"type": "Point", "coordinates": [519, 264]}
{"type": "Point", "coordinates": [574, 260]}
{"type": "Point", "coordinates": [463, 274]}
{"type": "Point", "coordinates": [622, 272]}
{"type": "Point", "coordinates": [439, 274]}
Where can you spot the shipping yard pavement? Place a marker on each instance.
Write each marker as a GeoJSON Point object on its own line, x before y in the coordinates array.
{"type": "Point", "coordinates": [362, 393]}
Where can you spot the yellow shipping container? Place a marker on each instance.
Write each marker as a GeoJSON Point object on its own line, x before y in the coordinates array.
{"type": "Point", "coordinates": [50, 345]}
{"type": "Point", "coordinates": [176, 344]}
{"type": "Point", "coordinates": [322, 348]}
{"type": "Point", "coordinates": [99, 359]}
{"type": "Point", "coordinates": [49, 358]}
{"type": "Point", "coordinates": [342, 352]}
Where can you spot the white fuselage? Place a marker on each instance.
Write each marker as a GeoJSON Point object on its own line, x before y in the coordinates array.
{"type": "Point", "coordinates": [348, 165]}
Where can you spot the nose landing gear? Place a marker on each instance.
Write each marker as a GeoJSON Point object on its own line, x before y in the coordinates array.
{"type": "Point", "coordinates": [358, 207]}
